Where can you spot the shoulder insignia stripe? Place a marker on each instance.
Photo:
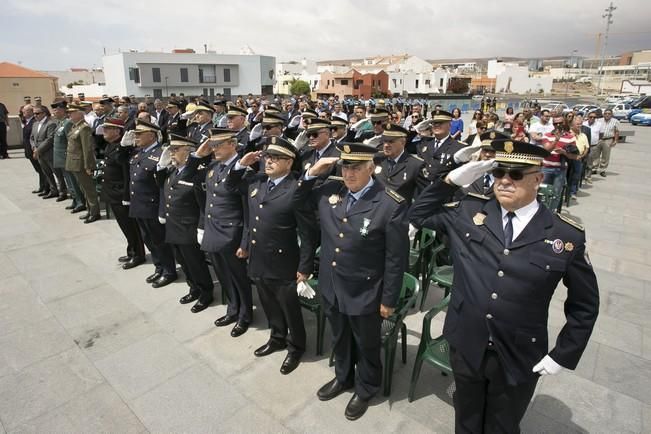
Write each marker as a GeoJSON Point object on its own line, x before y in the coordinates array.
{"type": "Point", "coordinates": [478, 196]}
{"type": "Point", "coordinates": [336, 178]}
{"type": "Point", "coordinates": [570, 222]}
{"type": "Point", "coordinates": [451, 204]}
{"type": "Point", "coordinates": [416, 157]}
{"type": "Point", "coordinates": [395, 196]}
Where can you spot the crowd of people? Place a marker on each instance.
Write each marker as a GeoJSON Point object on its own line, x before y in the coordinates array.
{"type": "Point", "coordinates": [277, 192]}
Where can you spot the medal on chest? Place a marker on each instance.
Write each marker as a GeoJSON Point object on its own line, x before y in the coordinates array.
{"type": "Point", "coordinates": [364, 230]}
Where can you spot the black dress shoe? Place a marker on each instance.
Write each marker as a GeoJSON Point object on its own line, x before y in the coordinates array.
{"type": "Point", "coordinates": [356, 407]}
{"type": "Point", "coordinates": [43, 193]}
{"type": "Point", "coordinates": [133, 262]}
{"type": "Point", "coordinates": [84, 217]}
{"type": "Point", "coordinates": [155, 276]}
{"type": "Point", "coordinates": [239, 329]}
{"type": "Point", "coordinates": [188, 298]}
{"type": "Point", "coordinates": [163, 281]}
{"type": "Point", "coordinates": [199, 306]}
{"type": "Point", "coordinates": [290, 363]}
{"type": "Point", "coordinates": [70, 207]}
{"type": "Point", "coordinates": [50, 195]}
{"type": "Point", "coordinates": [269, 348]}
{"type": "Point", "coordinates": [124, 258]}
{"type": "Point", "coordinates": [331, 390]}
{"type": "Point", "coordinates": [93, 218]}
{"type": "Point", "coordinates": [225, 320]}
{"type": "Point", "coordinates": [62, 197]}
{"type": "Point", "coordinates": [77, 209]}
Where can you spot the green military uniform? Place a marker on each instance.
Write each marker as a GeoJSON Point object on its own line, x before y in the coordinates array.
{"type": "Point", "coordinates": [80, 160]}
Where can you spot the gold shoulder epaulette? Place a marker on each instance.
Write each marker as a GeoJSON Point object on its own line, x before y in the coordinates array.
{"type": "Point", "coordinates": [395, 196]}
{"type": "Point", "coordinates": [336, 178]}
{"type": "Point", "coordinates": [478, 196]}
{"type": "Point", "coordinates": [451, 204]}
{"type": "Point", "coordinates": [570, 222]}
{"type": "Point", "coordinates": [416, 157]}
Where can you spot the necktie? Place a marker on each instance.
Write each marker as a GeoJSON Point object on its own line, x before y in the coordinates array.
{"type": "Point", "coordinates": [270, 185]}
{"type": "Point", "coordinates": [316, 156]}
{"type": "Point", "coordinates": [392, 164]}
{"type": "Point", "coordinates": [487, 181]}
{"type": "Point", "coordinates": [351, 201]}
{"type": "Point", "coordinates": [508, 229]}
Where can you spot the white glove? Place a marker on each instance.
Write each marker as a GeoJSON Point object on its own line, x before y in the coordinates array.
{"type": "Point", "coordinates": [374, 141]}
{"type": "Point", "coordinates": [161, 220]}
{"type": "Point", "coordinates": [126, 203]}
{"type": "Point", "coordinates": [296, 121]}
{"type": "Point", "coordinates": [547, 366]}
{"type": "Point", "coordinates": [129, 139]}
{"type": "Point", "coordinates": [165, 158]}
{"type": "Point", "coordinates": [256, 132]}
{"type": "Point", "coordinates": [301, 139]}
{"type": "Point", "coordinates": [464, 154]}
{"type": "Point", "coordinates": [358, 124]}
{"type": "Point", "coordinates": [412, 231]}
{"type": "Point", "coordinates": [423, 125]}
{"type": "Point", "coordinates": [199, 235]}
{"type": "Point", "coordinates": [470, 172]}
{"type": "Point", "coordinates": [303, 289]}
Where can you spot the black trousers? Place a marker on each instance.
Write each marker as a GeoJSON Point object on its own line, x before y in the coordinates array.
{"type": "Point", "coordinates": [197, 275]}
{"type": "Point", "coordinates": [129, 227]}
{"type": "Point", "coordinates": [484, 402]}
{"type": "Point", "coordinates": [357, 342]}
{"type": "Point", "coordinates": [153, 234]}
{"type": "Point", "coordinates": [280, 303]}
{"type": "Point", "coordinates": [42, 180]}
{"type": "Point", "coordinates": [48, 171]}
{"type": "Point", "coordinates": [231, 272]}
{"type": "Point", "coordinates": [4, 147]}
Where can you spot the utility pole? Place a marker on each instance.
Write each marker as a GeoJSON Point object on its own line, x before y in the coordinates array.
{"type": "Point", "coordinates": [608, 15]}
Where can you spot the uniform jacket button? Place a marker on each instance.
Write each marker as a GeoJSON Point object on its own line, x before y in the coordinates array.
{"type": "Point", "coordinates": [533, 340]}
{"type": "Point", "coordinates": [334, 263]}
{"type": "Point", "coordinates": [341, 235]}
{"type": "Point", "coordinates": [345, 220]}
{"type": "Point", "coordinates": [500, 273]}
{"type": "Point", "coordinates": [494, 296]}
{"type": "Point", "coordinates": [252, 241]}
{"type": "Point", "coordinates": [547, 267]}
{"type": "Point", "coordinates": [280, 250]}
{"type": "Point", "coordinates": [489, 316]}
{"type": "Point", "coordinates": [467, 234]}
{"type": "Point", "coordinates": [506, 252]}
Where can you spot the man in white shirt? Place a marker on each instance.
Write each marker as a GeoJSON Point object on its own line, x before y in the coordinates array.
{"type": "Point", "coordinates": [539, 129]}
{"type": "Point", "coordinates": [608, 137]}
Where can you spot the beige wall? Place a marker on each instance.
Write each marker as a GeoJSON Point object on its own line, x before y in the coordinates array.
{"type": "Point", "coordinates": [13, 90]}
{"type": "Point", "coordinates": [641, 57]}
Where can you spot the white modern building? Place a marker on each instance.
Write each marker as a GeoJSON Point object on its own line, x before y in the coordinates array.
{"type": "Point", "coordinates": [208, 74]}
{"type": "Point", "coordinates": [518, 79]}
{"type": "Point", "coordinates": [286, 72]}
{"type": "Point", "coordinates": [411, 82]}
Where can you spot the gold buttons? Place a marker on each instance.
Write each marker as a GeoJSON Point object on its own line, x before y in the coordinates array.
{"type": "Point", "coordinates": [500, 273]}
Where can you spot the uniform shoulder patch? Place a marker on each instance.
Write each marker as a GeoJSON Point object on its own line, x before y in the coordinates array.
{"type": "Point", "coordinates": [416, 157]}
{"type": "Point", "coordinates": [393, 195]}
{"type": "Point", "coordinates": [336, 178]}
{"type": "Point", "coordinates": [478, 196]}
{"type": "Point", "coordinates": [570, 222]}
{"type": "Point", "coordinates": [451, 204]}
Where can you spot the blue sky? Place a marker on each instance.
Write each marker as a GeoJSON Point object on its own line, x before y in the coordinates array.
{"type": "Point", "coordinates": [64, 33]}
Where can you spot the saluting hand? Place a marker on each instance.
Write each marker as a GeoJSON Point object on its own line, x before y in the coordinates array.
{"type": "Point", "coordinates": [250, 158]}
{"type": "Point", "coordinates": [204, 150]}
{"type": "Point", "coordinates": [385, 311]}
{"type": "Point", "coordinates": [322, 166]}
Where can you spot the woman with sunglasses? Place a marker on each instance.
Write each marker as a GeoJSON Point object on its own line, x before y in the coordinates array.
{"type": "Point", "coordinates": [509, 255]}
{"type": "Point", "coordinates": [478, 116]}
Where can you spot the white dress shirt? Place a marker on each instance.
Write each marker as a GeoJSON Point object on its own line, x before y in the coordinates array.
{"type": "Point", "coordinates": [522, 218]}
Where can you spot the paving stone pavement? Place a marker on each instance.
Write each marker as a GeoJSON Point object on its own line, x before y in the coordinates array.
{"type": "Point", "coordinates": [88, 347]}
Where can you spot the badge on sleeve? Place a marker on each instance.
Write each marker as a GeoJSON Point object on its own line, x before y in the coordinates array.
{"type": "Point", "coordinates": [569, 246]}
{"type": "Point", "coordinates": [557, 246]}
{"type": "Point", "coordinates": [254, 192]}
{"type": "Point", "coordinates": [334, 199]}
{"type": "Point", "coordinates": [210, 174]}
{"type": "Point", "coordinates": [378, 170]}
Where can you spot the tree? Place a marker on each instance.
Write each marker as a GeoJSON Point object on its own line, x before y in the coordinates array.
{"type": "Point", "coordinates": [299, 87]}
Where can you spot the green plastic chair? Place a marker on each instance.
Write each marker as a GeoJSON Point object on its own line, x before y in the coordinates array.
{"type": "Point", "coordinates": [420, 252]}
{"type": "Point", "coordinates": [434, 351]}
{"type": "Point", "coordinates": [438, 272]}
{"type": "Point", "coordinates": [314, 305]}
{"type": "Point", "coordinates": [394, 324]}
{"type": "Point", "coordinates": [546, 194]}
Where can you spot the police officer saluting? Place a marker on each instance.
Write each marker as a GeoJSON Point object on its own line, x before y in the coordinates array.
{"type": "Point", "coordinates": [438, 153]}
{"type": "Point", "coordinates": [200, 131]}
{"type": "Point", "coordinates": [182, 180]}
{"type": "Point", "coordinates": [398, 169]}
{"type": "Point", "coordinates": [277, 217]}
{"type": "Point", "coordinates": [364, 247]}
{"type": "Point", "coordinates": [145, 202]}
{"type": "Point", "coordinates": [509, 253]}
{"type": "Point", "coordinates": [115, 189]}
{"type": "Point", "coordinates": [225, 229]}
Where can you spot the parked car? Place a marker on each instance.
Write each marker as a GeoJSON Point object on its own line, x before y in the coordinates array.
{"type": "Point", "coordinates": [641, 119]}
{"type": "Point", "coordinates": [642, 104]}
{"type": "Point", "coordinates": [584, 109]}
{"type": "Point", "coordinates": [556, 107]}
{"type": "Point", "coordinates": [620, 111]}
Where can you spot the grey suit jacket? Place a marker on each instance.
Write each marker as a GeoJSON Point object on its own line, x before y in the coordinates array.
{"type": "Point", "coordinates": [43, 140]}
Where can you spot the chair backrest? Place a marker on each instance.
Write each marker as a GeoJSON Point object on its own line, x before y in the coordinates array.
{"type": "Point", "coordinates": [427, 319]}
{"type": "Point", "coordinates": [408, 294]}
